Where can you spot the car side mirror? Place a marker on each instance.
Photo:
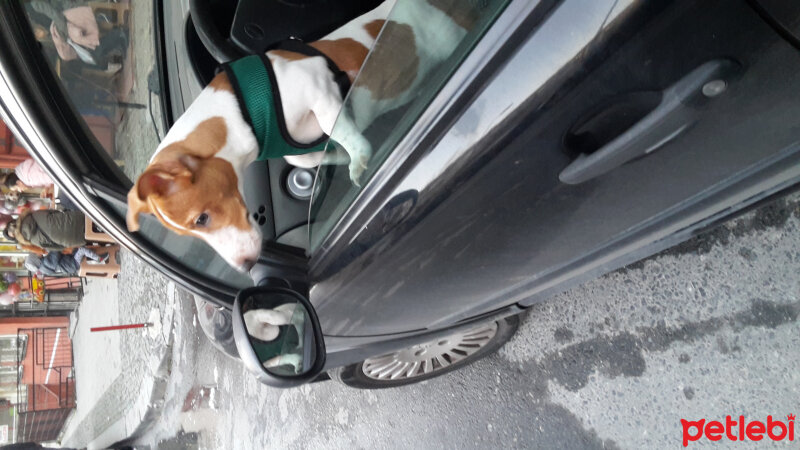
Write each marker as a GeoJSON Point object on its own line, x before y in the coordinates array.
{"type": "Point", "coordinates": [278, 336]}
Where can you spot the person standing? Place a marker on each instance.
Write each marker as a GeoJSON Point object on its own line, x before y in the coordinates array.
{"type": "Point", "coordinates": [57, 263]}
{"type": "Point", "coordinates": [76, 34]}
{"type": "Point", "coordinates": [46, 230]}
{"type": "Point", "coordinates": [30, 174]}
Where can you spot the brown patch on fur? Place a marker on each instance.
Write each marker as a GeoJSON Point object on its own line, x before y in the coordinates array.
{"type": "Point", "coordinates": [287, 55]}
{"type": "Point", "coordinates": [374, 28]}
{"type": "Point", "coordinates": [347, 53]}
{"type": "Point", "coordinates": [396, 54]}
{"type": "Point", "coordinates": [461, 14]}
{"type": "Point", "coordinates": [209, 187]}
{"type": "Point", "coordinates": [204, 142]}
{"type": "Point", "coordinates": [186, 179]}
{"type": "Point", "coordinates": [221, 83]}
{"type": "Point", "coordinates": [186, 187]}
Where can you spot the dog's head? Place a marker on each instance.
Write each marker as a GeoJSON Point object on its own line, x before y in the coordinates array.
{"type": "Point", "coordinates": [198, 197]}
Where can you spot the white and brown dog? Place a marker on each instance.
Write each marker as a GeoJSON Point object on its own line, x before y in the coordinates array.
{"type": "Point", "coordinates": [193, 184]}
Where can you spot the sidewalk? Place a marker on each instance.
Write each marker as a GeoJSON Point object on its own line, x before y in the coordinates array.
{"type": "Point", "coordinates": [120, 376]}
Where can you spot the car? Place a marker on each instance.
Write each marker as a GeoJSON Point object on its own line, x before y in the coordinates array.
{"type": "Point", "coordinates": [561, 140]}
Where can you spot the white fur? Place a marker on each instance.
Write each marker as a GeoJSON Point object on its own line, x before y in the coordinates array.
{"type": "Point", "coordinates": [311, 103]}
{"type": "Point", "coordinates": [436, 36]}
{"type": "Point", "coordinates": [241, 146]}
{"type": "Point", "coordinates": [263, 323]}
{"type": "Point", "coordinates": [310, 85]}
{"type": "Point", "coordinates": [234, 245]}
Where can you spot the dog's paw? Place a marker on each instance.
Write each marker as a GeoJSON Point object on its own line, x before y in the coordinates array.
{"type": "Point", "coordinates": [290, 359]}
{"type": "Point", "coordinates": [358, 163]}
{"type": "Point", "coordinates": [294, 360]}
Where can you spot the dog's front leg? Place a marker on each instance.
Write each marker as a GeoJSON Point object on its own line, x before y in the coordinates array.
{"type": "Point", "coordinates": [291, 359]}
{"type": "Point", "coordinates": [329, 112]}
{"type": "Point", "coordinates": [355, 144]}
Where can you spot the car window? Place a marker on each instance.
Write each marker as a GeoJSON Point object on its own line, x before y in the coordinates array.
{"type": "Point", "coordinates": [103, 55]}
{"type": "Point", "coordinates": [413, 57]}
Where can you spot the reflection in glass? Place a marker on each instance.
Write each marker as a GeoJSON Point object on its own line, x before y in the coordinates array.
{"type": "Point", "coordinates": [408, 68]}
{"type": "Point", "coordinates": [90, 47]}
{"type": "Point", "coordinates": [280, 332]}
{"type": "Point", "coordinates": [103, 55]}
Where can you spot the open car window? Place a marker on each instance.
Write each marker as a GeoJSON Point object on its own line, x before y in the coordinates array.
{"type": "Point", "coordinates": [103, 55]}
{"type": "Point", "coordinates": [414, 55]}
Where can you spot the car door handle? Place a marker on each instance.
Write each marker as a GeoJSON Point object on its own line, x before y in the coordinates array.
{"type": "Point", "coordinates": [678, 110]}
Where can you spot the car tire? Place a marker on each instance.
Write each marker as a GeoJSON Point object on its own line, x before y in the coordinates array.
{"type": "Point", "coordinates": [217, 324]}
{"type": "Point", "coordinates": [379, 373]}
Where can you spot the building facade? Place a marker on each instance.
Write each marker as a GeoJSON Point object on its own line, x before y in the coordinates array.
{"type": "Point", "coordinates": [37, 385]}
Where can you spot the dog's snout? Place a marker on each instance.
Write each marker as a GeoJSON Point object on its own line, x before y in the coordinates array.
{"type": "Point", "coordinates": [248, 264]}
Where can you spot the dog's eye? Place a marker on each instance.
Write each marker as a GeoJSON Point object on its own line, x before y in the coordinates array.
{"type": "Point", "coordinates": [202, 220]}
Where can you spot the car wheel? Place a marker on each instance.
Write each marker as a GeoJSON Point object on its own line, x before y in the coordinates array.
{"type": "Point", "coordinates": [427, 360]}
{"type": "Point", "coordinates": [217, 325]}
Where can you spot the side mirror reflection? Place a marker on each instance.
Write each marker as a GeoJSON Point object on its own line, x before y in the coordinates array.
{"type": "Point", "coordinates": [277, 330]}
{"type": "Point", "coordinates": [278, 336]}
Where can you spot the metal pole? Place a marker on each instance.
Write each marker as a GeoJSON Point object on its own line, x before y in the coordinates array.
{"type": "Point", "coordinates": [121, 327]}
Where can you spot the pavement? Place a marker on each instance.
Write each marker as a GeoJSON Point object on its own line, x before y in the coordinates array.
{"type": "Point", "coordinates": [120, 376]}
{"type": "Point", "coordinates": [703, 330]}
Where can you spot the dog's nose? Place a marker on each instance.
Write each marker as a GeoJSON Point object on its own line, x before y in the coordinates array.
{"type": "Point", "coordinates": [248, 264]}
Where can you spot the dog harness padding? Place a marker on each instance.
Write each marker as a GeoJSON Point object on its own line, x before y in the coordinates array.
{"type": "Point", "coordinates": [256, 89]}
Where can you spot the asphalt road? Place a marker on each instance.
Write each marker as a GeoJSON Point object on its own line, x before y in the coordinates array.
{"type": "Point", "coordinates": [704, 330]}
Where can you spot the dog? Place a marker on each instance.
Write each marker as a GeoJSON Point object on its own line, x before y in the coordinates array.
{"type": "Point", "coordinates": [264, 325]}
{"type": "Point", "coordinates": [193, 184]}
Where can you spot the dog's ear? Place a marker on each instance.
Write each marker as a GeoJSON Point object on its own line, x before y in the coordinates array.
{"type": "Point", "coordinates": [136, 206]}
{"type": "Point", "coordinates": [192, 163]}
{"type": "Point", "coordinates": [158, 180]}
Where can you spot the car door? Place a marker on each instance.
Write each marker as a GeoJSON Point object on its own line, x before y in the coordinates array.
{"type": "Point", "coordinates": [567, 139]}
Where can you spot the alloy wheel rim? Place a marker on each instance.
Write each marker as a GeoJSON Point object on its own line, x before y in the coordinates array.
{"type": "Point", "coordinates": [429, 357]}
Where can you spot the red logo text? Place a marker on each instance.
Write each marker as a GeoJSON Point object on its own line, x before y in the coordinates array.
{"type": "Point", "coordinates": [738, 430]}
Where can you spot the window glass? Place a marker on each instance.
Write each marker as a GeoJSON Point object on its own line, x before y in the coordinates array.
{"type": "Point", "coordinates": [10, 374]}
{"type": "Point", "coordinates": [12, 352]}
{"type": "Point", "coordinates": [103, 54]}
{"type": "Point", "coordinates": [192, 252]}
{"type": "Point", "coordinates": [429, 39]}
{"type": "Point", "coordinates": [12, 348]}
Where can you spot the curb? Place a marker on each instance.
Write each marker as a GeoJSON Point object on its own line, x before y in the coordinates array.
{"type": "Point", "coordinates": [146, 409]}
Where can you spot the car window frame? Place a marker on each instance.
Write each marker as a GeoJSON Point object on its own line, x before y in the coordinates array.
{"type": "Point", "coordinates": [159, 35]}
{"type": "Point", "coordinates": [54, 135]}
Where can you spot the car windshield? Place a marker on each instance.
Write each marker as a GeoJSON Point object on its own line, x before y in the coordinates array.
{"type": "Point", "coordinates": [387, 98]}
{"type": "Point", "coordinates": [103, 55]}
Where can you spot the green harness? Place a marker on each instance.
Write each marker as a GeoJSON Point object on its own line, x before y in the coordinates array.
{"type": "Point", "coordinates": [256, 89]}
